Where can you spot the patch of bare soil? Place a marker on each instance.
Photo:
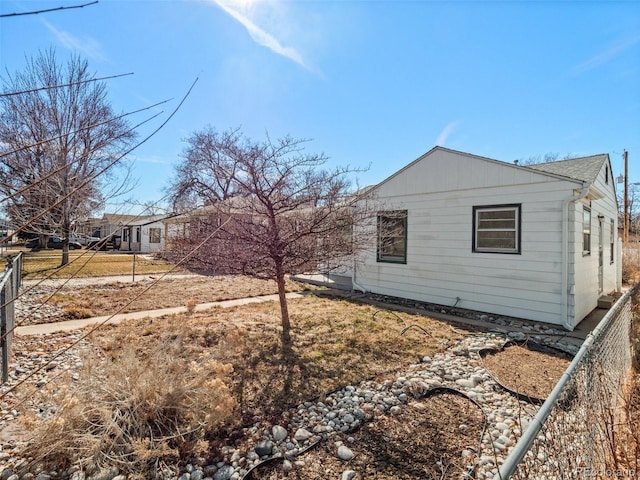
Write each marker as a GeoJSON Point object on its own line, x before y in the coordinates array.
{"type": "Point", "coordinates": [425, 441]}
{"type": "Point", "coordinates": [97, 300]}
{"type": "Point", "coordinates": [527, 371]}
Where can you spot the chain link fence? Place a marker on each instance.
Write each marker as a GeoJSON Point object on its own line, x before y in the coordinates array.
{"type": "Point", "coordinates": [578, 432]}
{"type": "Point", "coordinates": [9, 284]}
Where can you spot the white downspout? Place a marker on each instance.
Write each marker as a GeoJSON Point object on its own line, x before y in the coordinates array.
{"type": "Point", "coordinates": [355, 284]}
{"type": "Point", "coordinates": [565, 256]}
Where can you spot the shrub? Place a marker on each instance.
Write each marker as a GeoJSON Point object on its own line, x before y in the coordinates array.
{"type": "Point", "coordinates": [132, 413]}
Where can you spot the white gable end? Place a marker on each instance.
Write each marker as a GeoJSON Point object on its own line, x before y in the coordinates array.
{"type": "Point", "coordinates": [442, 170]}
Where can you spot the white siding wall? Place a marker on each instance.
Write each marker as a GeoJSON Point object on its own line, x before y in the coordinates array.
{"type": "Point", "coordinates": [441, 267]}
{"type": "Point", "coordinates": [586, 266]}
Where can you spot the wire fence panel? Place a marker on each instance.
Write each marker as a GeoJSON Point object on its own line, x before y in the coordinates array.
{"type": "Point", "coordinates": [574, 434]}
{"type": "Point", "coordinates": [9, 285]}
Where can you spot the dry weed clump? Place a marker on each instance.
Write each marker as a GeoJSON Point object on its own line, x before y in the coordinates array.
{"type": "Point", "coordinates": [133, 413]}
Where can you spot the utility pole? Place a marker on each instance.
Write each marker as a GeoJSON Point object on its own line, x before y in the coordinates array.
{"type": "Point", "coordinates": [625, 231]}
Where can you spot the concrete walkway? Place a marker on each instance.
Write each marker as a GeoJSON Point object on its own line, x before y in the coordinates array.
{"type": "Point", "coordinates": [576, 337]}
{"type": "Point", "coordinates": [69, 325]}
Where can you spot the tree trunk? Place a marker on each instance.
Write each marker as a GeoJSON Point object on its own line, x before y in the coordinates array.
{"type": "Point", "coordinates": [66, 231]}
{"type": "Point", "coordinates": [284, 310]}
{"type": "Point", "coordinates": [65, 252]}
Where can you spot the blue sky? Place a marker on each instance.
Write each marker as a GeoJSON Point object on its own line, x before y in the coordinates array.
{"type": "Point", "coordinates": [371, 83]}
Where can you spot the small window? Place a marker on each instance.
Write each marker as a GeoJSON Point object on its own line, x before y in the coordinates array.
{"type": "Point", "coordinates": [137, 234]}
{"type": "Point", "coordinates": [154, 235]}
{"type": "Point", "coordinates": [125, 235]}
{"type": "Point", "coordinates": [612, 240]}
{"type": "Point", "coordinates": [496, 229]}
{"type": "Point", "coordinates": [606, 174]}
{"type": "Point", "coordinates": [586, 231]}
{"type": "Point", "coordinates": [392, 236]}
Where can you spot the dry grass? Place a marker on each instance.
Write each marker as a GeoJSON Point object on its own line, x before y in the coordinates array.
{"type": "Point", "coordinates": [134, 412]}
{"type": "Point", "coordinates": [631, 263]}
{"type": "Point", "coordinates": [335, 343]}
{"type": "Point", "coordinates": [149, 398]}
{"type": "Point", "coordinates": [98, 300]}
{"type": "Point", "coordinates": [85, 263]}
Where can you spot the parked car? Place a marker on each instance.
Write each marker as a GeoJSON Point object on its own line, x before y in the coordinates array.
{"type": "Point", "coordinates": [111, 242]}
{"type": "Point", "coordinates": [83, 239]}
{"type": "Point", "coordinates": [53, 242]}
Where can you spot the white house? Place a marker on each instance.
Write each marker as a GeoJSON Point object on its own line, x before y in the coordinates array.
{"type": "Point", "coordinates": [144, 235]}
{"type": "Point", "coordinates": [537, 242]}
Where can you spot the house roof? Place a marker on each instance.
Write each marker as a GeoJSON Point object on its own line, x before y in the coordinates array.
{"type": "Point", "coordinates": [585, 169]}
{"type": "Point", "coordinates": [147, 219]}
{"type": "Point", "coordinates": [540, 171]}
{"type": "Point", "coordinates": [117, 217]}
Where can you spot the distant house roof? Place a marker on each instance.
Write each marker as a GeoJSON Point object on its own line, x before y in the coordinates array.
{"type": "Point", "coordinates": [146, 220]}
{"type": "Point", "coordinates": [117, 217]}
{"type": "Point", "coordinates": [585, 169]}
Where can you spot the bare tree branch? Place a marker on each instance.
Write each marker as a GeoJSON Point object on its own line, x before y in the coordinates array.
{"type": "Point", "coordinates": [283, 214]}
{"type": "Point", "coordinates": [37, 217]}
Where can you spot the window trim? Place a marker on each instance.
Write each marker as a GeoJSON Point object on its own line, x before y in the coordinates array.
{"type": "Point", "coordinates": [612, 257]}
{"type": "Point", "coordinates": [151, 237]}
{"type": "Point", "coordinates": [517, 208]}
{"type": "Point", "coordinates": [586, 251]}
{"type": "Point", "coordinates": [388, 258]}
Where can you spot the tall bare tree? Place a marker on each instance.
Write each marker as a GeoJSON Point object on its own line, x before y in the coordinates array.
{"type": "Point", "coordinates": [270, 210]}
{"type": "Point", "coordinates": [53, 142]}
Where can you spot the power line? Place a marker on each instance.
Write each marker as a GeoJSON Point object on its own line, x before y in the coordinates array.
{"type": "Point", "coordinates": [51, 87]}
{"type": "Point", "coordinates": [109, 165]}
{"type": "Point", "coordinates": [73, 132]}
{"type": "Point", "coordinates": [36, 12]}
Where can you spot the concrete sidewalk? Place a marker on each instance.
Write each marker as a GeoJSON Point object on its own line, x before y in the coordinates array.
{"type": "Point", "coordinates": [68, 325]}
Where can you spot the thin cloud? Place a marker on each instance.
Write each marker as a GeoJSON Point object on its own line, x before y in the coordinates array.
{"type": "Point", "coordinates": [446, 132]}
{"type": "Point", "coordinates": [259, 35]}
{"type": "Point", "coordinates": [87, 46]}
{"type": "Point", "coordinates": [607, 55]}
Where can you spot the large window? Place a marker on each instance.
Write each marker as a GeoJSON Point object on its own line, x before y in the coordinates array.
{"type": "Point", "coordinates": [586, 231]}
{"type": "Point", "coordinates": [154, 235]}
{"type": "Point", "coordinates": [392, 236]}
{"type": "Point", "coordinates": [496, 229]}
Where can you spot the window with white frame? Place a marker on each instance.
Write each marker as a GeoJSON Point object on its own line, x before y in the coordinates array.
{"type": "Point", "coordinates": [392, 236]}
{"type": "Point", "coordinates": [154, 235]}
{"type": "Point", "coordinates": [586, 231]}
{"type": "Point", "coordinates": [496, 228]}
{"type": "Point", "coordinates": [612, 239]}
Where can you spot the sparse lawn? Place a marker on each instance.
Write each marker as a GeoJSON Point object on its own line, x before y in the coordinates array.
{"type": "Point", "coordinates": [87, 263]}
{"type": "Point", "coordinates": [336, 343]}
{"type": "Point", "coordinates": [105, 299]}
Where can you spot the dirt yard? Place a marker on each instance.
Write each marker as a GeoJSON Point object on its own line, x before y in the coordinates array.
{"type": "Point", "coordinates": [336, 342]}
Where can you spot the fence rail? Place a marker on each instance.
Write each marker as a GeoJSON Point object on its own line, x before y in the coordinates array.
{"type": "Point", "coordinates": [573, 436]}
{"type": "Point", "coordinates": [9, 284]}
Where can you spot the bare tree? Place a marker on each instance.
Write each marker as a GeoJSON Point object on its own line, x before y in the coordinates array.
{"type": "Point", "coordinates": [54, 142]}
{"type": "Point", "coordinates": [547, 157]}
{"type": "Point", "coordinates": [270, 210]}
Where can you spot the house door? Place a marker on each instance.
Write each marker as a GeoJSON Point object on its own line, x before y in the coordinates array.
{"type": "Point", "coordinates": [600, 253]}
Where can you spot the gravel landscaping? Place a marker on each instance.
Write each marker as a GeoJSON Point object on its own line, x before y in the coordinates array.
{"type": "Point", "coordinates": [444, 416]}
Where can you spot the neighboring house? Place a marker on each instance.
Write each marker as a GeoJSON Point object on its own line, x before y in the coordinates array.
{"type": "Point", "coordinates": [88, 228]}
{"type": "Point", "coordinates": [144, 234]}
{"type": "Point", "coordinates": [178, 228]}
{"type": "Point", "coordinates": [113, 223]}
{"type": "Point", "coordinates": [537, 242]}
